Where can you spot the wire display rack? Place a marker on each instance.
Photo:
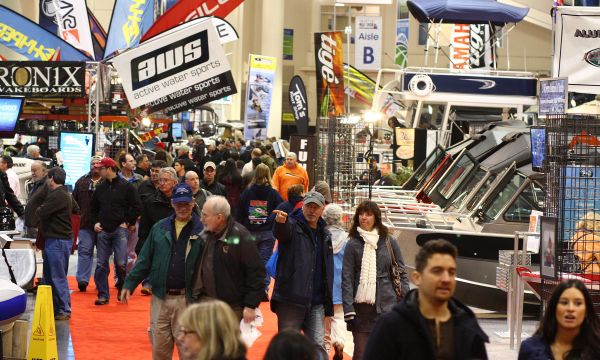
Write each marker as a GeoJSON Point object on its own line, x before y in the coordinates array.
{"type": "Point", "coordinates": [572, 168]}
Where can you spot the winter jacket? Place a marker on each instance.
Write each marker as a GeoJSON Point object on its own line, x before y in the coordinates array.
{"type": "Point", "coordinates": [535, 348]}
{"type": "Point", "coordinates": [55, 214]}
{"type": "Point", "coordinates": [339, 239]}
{"type": "Point", "coordinates": [146, 189]}
{"type": "Point", "coordinates": [291, 204]}
{"type": "Point", "coordinates": [233, 189]}
{"type": "Point", "coordinates": [385, 296]}
{"type": "Point", "coordinates": [155, 208]}
{"type": "Point", "coordinates": [403, 333]}
{"type": "Point", "coordinates": [256, 207]}
{"type": "Point", "coordinates": [238, 268]}
{"type": "Point", "coordinates": [216, 188]}
{"type": "Point", "coordinates": [155, 257]}
{"type": "Point", "coordinates": [9, 195]}
{"type": "Point", "coordinates": [296, 262]}
{"type": "Point", "coordinates": [115, 202]}
{"type": "Point", "coordinates": [82, 193]}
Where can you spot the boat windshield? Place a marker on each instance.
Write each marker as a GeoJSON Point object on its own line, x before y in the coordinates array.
{"type": "Point", "coordinates": [454, 176]}
{"type": "Point", "coordinates": [532, 198]}
{"type": "Point", "coordinates": [468, 188]}
{"type": "Point", "coordinates": [502, 197]}
{"type": "Point", "coordinates": [431, 163]}
{"type": "Point", "coordinates": [480, 192]}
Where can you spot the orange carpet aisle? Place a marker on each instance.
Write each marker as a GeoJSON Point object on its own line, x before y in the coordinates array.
{"type": "Point", "coordinates": [117, 331]}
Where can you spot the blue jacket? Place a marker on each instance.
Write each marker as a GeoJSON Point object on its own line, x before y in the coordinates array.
{"type": "Point", "coordinates": [535, 348]}
{"type": "Point", "coordinates": [339, 239]}
{"type": "Point", "coordinates": [297, 260]}
{"type": "Point", "coordinates": [256, 207]}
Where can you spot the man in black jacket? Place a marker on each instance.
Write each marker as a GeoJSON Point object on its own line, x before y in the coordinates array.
{"type": "Point", "coordinates": [230, 267]}
{"type": "Point", "coordinates": [115, 209]}
{"type": "Point", "coordinates": [429, 323]}
{"type": "Point", "coordinates": [210, 183]}
{"type": "Point", "coordinates": [55, 219]}
{"type": "Point", "coordinates": [304, 281]}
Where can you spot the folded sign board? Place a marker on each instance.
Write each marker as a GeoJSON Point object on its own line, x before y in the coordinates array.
{"type": "Point", "coordinates": [42, 78]}
{"type": "Point", "coordinates": [178, 71]}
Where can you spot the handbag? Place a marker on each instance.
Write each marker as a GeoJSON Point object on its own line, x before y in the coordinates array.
{"type": "Point", "coordinates": [396, 272]}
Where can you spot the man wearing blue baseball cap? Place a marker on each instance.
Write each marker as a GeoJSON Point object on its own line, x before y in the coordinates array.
{"type": "Point", "coordinates": [170, 266]}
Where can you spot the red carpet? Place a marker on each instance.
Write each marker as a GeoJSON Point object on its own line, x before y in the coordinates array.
{"type": "Point", "coordinates": [117, 331]}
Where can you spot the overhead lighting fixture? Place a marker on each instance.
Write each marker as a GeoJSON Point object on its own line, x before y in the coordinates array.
{"type": "Point", "coordinates": [372, 116]}
{"type": "Point", "coordinates": [146, 122]}
{"type": "Point", "coordinates": [340, 4]}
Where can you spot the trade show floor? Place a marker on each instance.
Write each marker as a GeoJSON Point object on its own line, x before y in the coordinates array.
{"type": "Point", "coordinates": [493, 324]}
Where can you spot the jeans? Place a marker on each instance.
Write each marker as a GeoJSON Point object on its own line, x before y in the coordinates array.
{"type": "Point", "coordinates": [107, 243]}
{"type": "Point", "coordinates": [85, 254]}
{"type": "Point", "coordinates": [56, 266]}
{"type": "Point", "coordinates": [265, 241]}
{"type": "Point", "coordinates": [310, 320]}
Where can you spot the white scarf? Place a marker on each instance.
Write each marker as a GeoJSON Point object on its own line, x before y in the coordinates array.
{"type": "Point", "coordinates": [367, 284]}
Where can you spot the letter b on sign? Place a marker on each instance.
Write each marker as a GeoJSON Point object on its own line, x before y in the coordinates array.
{"type": "Point", "coordinates": [368, 57]}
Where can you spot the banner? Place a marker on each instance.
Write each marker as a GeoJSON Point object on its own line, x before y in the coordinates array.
{"type": "Point", "coordinates": [330, 80]}
{"type": "Point", "coordinates": [74, 25]}
{"type": "Point", "coordinates": [186, 10]}
{"type": "Point", "coordinates": [98, 36]}
{"type": "Point", "coordinates": [482, 53]}
{"type": "Point", "coordinates": [32, 41]}
{"type": "Point", "coordinates": [367, 48]}
{"type": "Point", "coordinates": [360, 87]}
{"type": "Point", "coordinates": [305, 147]}
{"type": "Point", "coordinates": [576, 48]}
{"type": "Point", "coordinates": [182, 70]}
{"type": "Point", "coordinates": [130, 19]}
{"type": "Point", "coordinates": [47, 16]}
{"type": "Point", "coordinates": [259, 92]}
{"type": "Point", "coordinates": [225, 31]}
{"type": "Point", "coordinates": [148, 136]}
{"type": "Point", "coordinates": [460, 46]}
{"type": "Point", "coordinates": [43, 79]}
{"type": "Point", "coordinates": [299, 104]}
{"type": "Point", "coordinates": [401, 43]}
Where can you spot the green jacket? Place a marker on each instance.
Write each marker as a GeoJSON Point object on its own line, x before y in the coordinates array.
{"type": "Point", "coordinates": [155, 256]}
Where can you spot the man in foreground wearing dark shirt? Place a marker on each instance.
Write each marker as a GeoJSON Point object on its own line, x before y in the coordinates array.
{"type": "Point", "coordinates": [115, 209]}
{"type": "Point", "coordinates": [429, 323]}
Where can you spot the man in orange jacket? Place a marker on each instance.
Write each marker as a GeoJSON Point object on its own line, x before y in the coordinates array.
{"type": "Point", "coordinates": [289, 174]}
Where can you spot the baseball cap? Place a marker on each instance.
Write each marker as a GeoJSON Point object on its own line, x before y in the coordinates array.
{"type": "Point", "coordinates": [210, 164]}
{"type": "Point", "coordinates": [313, 197]}
{"type": "Point", "coordinates": [182, 192]}
{"type": "Point", "coordinates": [106, 162]}
{"type": "Point", "coordinates": [323, 188]}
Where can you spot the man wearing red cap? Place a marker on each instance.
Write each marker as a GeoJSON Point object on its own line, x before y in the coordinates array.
{"type": "Point", "coordinates": [115, 209]}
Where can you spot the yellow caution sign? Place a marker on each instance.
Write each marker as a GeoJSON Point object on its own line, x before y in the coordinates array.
{"type": "Point", "coordinates": [42, 344]}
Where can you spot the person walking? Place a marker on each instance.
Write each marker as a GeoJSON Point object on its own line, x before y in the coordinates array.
{"type": "Point", "coordinates": [168, 258]}
{"type": "Point", "coordinates": [429, 323]}
{"type": "Point", "coordinates": [367, 287]}
{"type": "Point", "coordinates": [55, 220]}
{"type": "Point", "coordinates": [288, 174]}
{"type": "Point", "coordinates": [302, 295]}
{"type": "Point", "coordinates": [115, 209]}
{"type": "Point", "coordinates": [210, 183]}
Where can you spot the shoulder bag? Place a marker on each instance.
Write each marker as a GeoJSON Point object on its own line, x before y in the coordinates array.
{"type": "Point", "coordinates": [396, 271]}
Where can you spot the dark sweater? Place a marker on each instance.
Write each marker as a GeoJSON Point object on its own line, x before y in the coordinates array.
{"type": "Point", "coordinates": [55, 214]}
{"type": "Point", "coordinates": [256, 207]}
{"type": "Point", "coordinates": [115, 202]}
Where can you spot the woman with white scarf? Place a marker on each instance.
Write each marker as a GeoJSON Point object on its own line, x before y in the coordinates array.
{"type": "Point", "coordinates": [367, 289]}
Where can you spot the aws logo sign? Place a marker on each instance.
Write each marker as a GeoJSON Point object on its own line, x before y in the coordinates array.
{"type": "Point", "coordinates": [592, 57]}
{"type": "Point", "coordinates": [169, 60]}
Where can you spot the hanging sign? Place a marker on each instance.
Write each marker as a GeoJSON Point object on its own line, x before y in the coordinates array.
{"type": "Point", "coordinates": [145, 137]}
{"type": "Point", "coordinates": [459, 46]}
{"type": "Point", "coordinates": [130, 19]}
{"type": "Point", "coordinates": [329, 68]}
{"type": "Point", "coordinates": [367, 50]}
{"type": "Point", "coordinates": [43, 79]}
{"type": "Point", "coordinates": [259, 93]}
{"type": "Point", "coordinates": [299, 104]}
{"type": "Point", "coordinates": [178, 71]}
{"type": "Point", "coordinates": [74, 24]}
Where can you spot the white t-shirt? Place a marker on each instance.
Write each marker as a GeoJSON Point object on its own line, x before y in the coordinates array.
{"type": "Point", "coordinates": [247, 168]}
{"type": "Point", "coordinates": [13, 180]}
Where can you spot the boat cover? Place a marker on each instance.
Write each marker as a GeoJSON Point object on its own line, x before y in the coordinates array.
{"type": "Point", "coordinates": [466, 11]}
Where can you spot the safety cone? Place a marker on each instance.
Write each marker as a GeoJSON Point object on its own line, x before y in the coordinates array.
{"type": "Point", "coordinates": [42, 343]}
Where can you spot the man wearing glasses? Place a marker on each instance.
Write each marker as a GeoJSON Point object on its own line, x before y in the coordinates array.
{"type": "Point", "coordinates": [169, 257]}
{"type": "Point", "coordinates": [115, 209]}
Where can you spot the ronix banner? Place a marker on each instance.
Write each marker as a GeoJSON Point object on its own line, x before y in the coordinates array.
{"type": "Point", "coordinates": [367, 53]}
{"type": "Point", "coordinates": [186, 10]}
{"type": "Point", "coordinates": [74, 24]}
{"type": "Point", "coordinates": [181, 70]}
{"type": "Point", "coordinates": [32, 41]}
{"type": "Point", "coordinates": [299, 104]}
{"type": "Point", "coordinates": [576, 48]}
{"type": "Point", "coordinates": [330, 80]}
{"type": "Point", "coordinates": [43, 79]}
{"type": "Point", "coordinates": [130, 20]}
{"type": "Point", "coordinates": [258, 96]}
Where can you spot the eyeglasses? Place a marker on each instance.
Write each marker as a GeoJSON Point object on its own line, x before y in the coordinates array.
{"type": "Point", "coordinates": [163, 181]}
{"type": "Point", "coordinates": [183, 331]}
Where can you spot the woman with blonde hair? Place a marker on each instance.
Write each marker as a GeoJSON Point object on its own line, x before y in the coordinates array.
{"type": "Point", "coordinates": [586, 243]}
{"type": "Point", "coordinates": [256, 213]}
{"type": "Point", "coordinates": [210, 331]}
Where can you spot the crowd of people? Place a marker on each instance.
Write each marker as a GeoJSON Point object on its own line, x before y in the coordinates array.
{"type": "Point", "coordinates": [199, 237]}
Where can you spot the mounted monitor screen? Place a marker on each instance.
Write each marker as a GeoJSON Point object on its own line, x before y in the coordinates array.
{"type": "Point", "coordinates": [10, 111]}
{"type": "Point", "coordinates": [538, 147]}
{"type": "Point", "coordinates": [176, 130]}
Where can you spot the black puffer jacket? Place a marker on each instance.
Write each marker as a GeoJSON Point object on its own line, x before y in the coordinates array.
{"type": "Point", "coordinates": [385, 297]}
{"type": "Point", "coordinates": [296, 262]}
{"type": "Point", "coordinates": [404, 334]}
{"type": "Point", "coordinates": [155, 208]}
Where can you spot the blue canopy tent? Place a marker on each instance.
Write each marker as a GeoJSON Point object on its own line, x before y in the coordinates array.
{"type": "Point", "coordinates": [466, 12]}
